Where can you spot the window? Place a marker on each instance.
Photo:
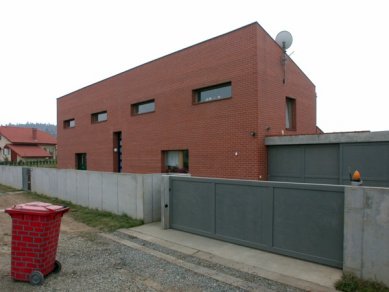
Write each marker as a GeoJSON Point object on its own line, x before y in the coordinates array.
{"type": "Point", "coordinates": [290, 114]}
{"type": "Point", "coordinates": [176, 161]}
{"type": "Point", "coordinates": [99, 117]}
{"type": "Point", "coordinates": [81, 161]}
{"type": "Point", "coordinates": [143, 107]}
{"type": "Point", "coordinates": [6, 151]}
{"type": "Point", "coordinates": [212, 93]}
{"type": "Point", "coordinates": [69, 123]}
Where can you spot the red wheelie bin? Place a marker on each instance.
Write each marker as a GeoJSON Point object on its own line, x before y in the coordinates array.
{"type": "Point", "coordinates": [35, 233]}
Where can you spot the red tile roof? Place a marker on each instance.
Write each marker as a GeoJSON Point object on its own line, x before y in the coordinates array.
{"type": "Point", "coordinates": [26, 135]}
{"type": "Point", "coordinates": [26, 151]}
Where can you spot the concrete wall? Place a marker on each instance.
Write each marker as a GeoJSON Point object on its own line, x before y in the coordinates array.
{"type": "Point", "coordinates": [137, 195]}
{"type": "Point", "coordinates": [366, 233]}
{"type": "Point", "coordinates": [11, 176]}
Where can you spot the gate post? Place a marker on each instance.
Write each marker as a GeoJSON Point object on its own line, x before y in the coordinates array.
{"type": "Point", "coordinates": [165, 194]}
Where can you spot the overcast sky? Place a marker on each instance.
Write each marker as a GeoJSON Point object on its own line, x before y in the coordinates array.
{"type": "Point", "coordinates": [50, 48]}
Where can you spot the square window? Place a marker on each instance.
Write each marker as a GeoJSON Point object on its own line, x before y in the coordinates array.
{"type": "Point", "coordinates": [212, 93]}
{"type": "Point", "coordinates": [143, 107]}
{"type": "Point", "coordinates": [290, 114]}
{"type": "Point", "coordinates": [99, 117]}
{"type": "Point", "coordinates": [175, 161]}
{"type": "Point", "coordinates": [71, 123]}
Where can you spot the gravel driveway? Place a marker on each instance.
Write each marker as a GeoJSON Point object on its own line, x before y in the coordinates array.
{"type": "Point", "coordinates": [91, 262]}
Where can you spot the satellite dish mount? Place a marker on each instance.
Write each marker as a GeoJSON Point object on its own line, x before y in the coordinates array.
{"type": "Point", "coordinates": [284, 39]}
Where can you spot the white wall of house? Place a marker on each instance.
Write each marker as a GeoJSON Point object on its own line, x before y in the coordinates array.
{"type": "Point", "coordinates": [4, 141]}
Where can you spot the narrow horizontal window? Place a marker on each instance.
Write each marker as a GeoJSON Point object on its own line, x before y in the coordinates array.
{"type": "Point", "coordinates": [71, 123]}
{"type": "Point", "coordinates": [143, 107]}
{"type": "Point", "coordinates": [99, 117]}
{"type": "Point", "coordinates": [212, 93]}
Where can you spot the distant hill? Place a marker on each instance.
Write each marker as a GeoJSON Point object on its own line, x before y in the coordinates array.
{"type": "Point", "coordinates": [48, 128]}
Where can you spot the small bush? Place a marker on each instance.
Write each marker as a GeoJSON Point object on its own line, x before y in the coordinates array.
{"type": "Point", "coordinates": [351, 283]}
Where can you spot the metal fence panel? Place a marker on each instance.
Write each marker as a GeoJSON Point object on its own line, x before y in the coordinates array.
{"type": "Point", "coordinates": [330, 163]}
{"type": "Point", "coordinates": [299, 220]}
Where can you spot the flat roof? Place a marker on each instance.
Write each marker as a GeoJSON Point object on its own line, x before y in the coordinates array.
{"type": "Point", "coordinates": [330, 138]}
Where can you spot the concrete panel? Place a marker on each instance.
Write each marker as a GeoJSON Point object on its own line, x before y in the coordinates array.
{"type": "Point", "coordinates": [12, 176]}
{"type": "Point", "coordinates": [127, 194]}
{"type": "Point", "coordinates": [110, 192]}
{"type": "Point", "coordinates": [165, 193]}
{"type": "Point", "coordinates": [40, 181]}
{"type": "Point", "coordinates": [82, 197]}
{"type": "Point", "coordinates": [139, 196]}
{"type": "Point", "coordinates": [95, 190]}
{"type": "Point", "coordinates": [53, 182]}
{"type": "Point", "coordinates": [157, 180]}
{"type": "Point", "coordinates": [61, 178]}
{"type": "Point", "coordinates": [353, 230]}
{"type": "Point", "coordinates": [375, 253]}
{"type": "Point", "coordinates": [70, 177]}
{"type": "Point", "coordinates": [148, 198]}
{"type": "Point", "coordinates": [329, 138]}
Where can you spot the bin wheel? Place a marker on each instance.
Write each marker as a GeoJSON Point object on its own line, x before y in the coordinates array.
{"type": "Point", "coordinates": [57, 267]}
{"type": "Point", "coordinates": [36, 278]}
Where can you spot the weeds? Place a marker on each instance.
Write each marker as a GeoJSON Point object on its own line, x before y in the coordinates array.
{"type": "Point", "coordinates": [104, 221]}
{"type": "Point", "coordinates": [351, 283]}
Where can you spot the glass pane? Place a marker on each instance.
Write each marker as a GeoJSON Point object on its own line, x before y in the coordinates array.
{"type": "Point", "coordinates": [102, 117]}
{"type": "Point", "coordinates": [145, 107]}
{"type": "Point", "coordinates": [215, 93]}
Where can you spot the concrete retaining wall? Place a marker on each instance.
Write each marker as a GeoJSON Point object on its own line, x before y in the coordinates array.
{"type": "Point", "coordinates": [366, 233]}
{"type": "Point", "coordinates": [11, 176]}
{"type": "Point", "coordinates": [137, 195]}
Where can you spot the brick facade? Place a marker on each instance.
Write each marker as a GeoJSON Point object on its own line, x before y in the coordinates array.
{"type": "Point", "coordinates": [218, 134]}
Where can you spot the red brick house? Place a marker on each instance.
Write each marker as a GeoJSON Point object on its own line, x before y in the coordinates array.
{"type": "Point", "coordinates": [25, 144]}
{"type": "Point", "coordinates": [205, 110]}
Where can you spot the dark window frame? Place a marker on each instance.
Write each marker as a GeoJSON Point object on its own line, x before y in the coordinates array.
{"type": "Point", "coordinates": [67, 124]}
{"type": "Point", "coordinates": [95, 117]}
{"type": "Point", "coordinates": [290, 114]}
{"type": "Point", "coordinates": [196, 95]}
{"type": "Point", "coordinates": [135, 107]}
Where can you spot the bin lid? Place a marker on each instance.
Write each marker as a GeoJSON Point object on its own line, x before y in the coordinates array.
{"type": "Point", "coordinates": [36, 207]}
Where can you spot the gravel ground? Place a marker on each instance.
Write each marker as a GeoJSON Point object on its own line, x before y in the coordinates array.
{"type": "Point", "coordinates": [93, 263]}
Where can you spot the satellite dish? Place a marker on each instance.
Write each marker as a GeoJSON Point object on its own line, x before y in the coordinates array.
{"type": "Point", "coordinates": [284, 39]}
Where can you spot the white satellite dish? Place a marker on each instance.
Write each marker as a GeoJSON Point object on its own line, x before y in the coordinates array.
{"type": "Point", "coordinates": [284, 39]}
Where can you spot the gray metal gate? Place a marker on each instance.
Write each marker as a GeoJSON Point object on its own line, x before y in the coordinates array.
{"type": "Point", "coordinates": [299, 220]}
{"type": "Point", "coordinates": [26, 178]}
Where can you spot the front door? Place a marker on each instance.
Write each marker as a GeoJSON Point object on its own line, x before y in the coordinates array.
{"type": "Point", "coordinates": [117, 148]}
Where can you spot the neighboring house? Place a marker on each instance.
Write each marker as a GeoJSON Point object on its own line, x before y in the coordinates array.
{"type": "Point", "coordinates": [25, 144]}
{"type": "Point", "coordinates": [205, 110]}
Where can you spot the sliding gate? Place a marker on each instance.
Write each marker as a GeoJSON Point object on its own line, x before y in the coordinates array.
{"type": "Point", "coordinates": [299, 220]}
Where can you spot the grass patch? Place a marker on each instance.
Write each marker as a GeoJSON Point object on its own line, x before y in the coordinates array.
{"type": "Point", "coordinates": [351, 283]}
{"type": "Point", "coordinates": [5, 189]}
{"type": "Point", "coordinates": [102, 220]}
